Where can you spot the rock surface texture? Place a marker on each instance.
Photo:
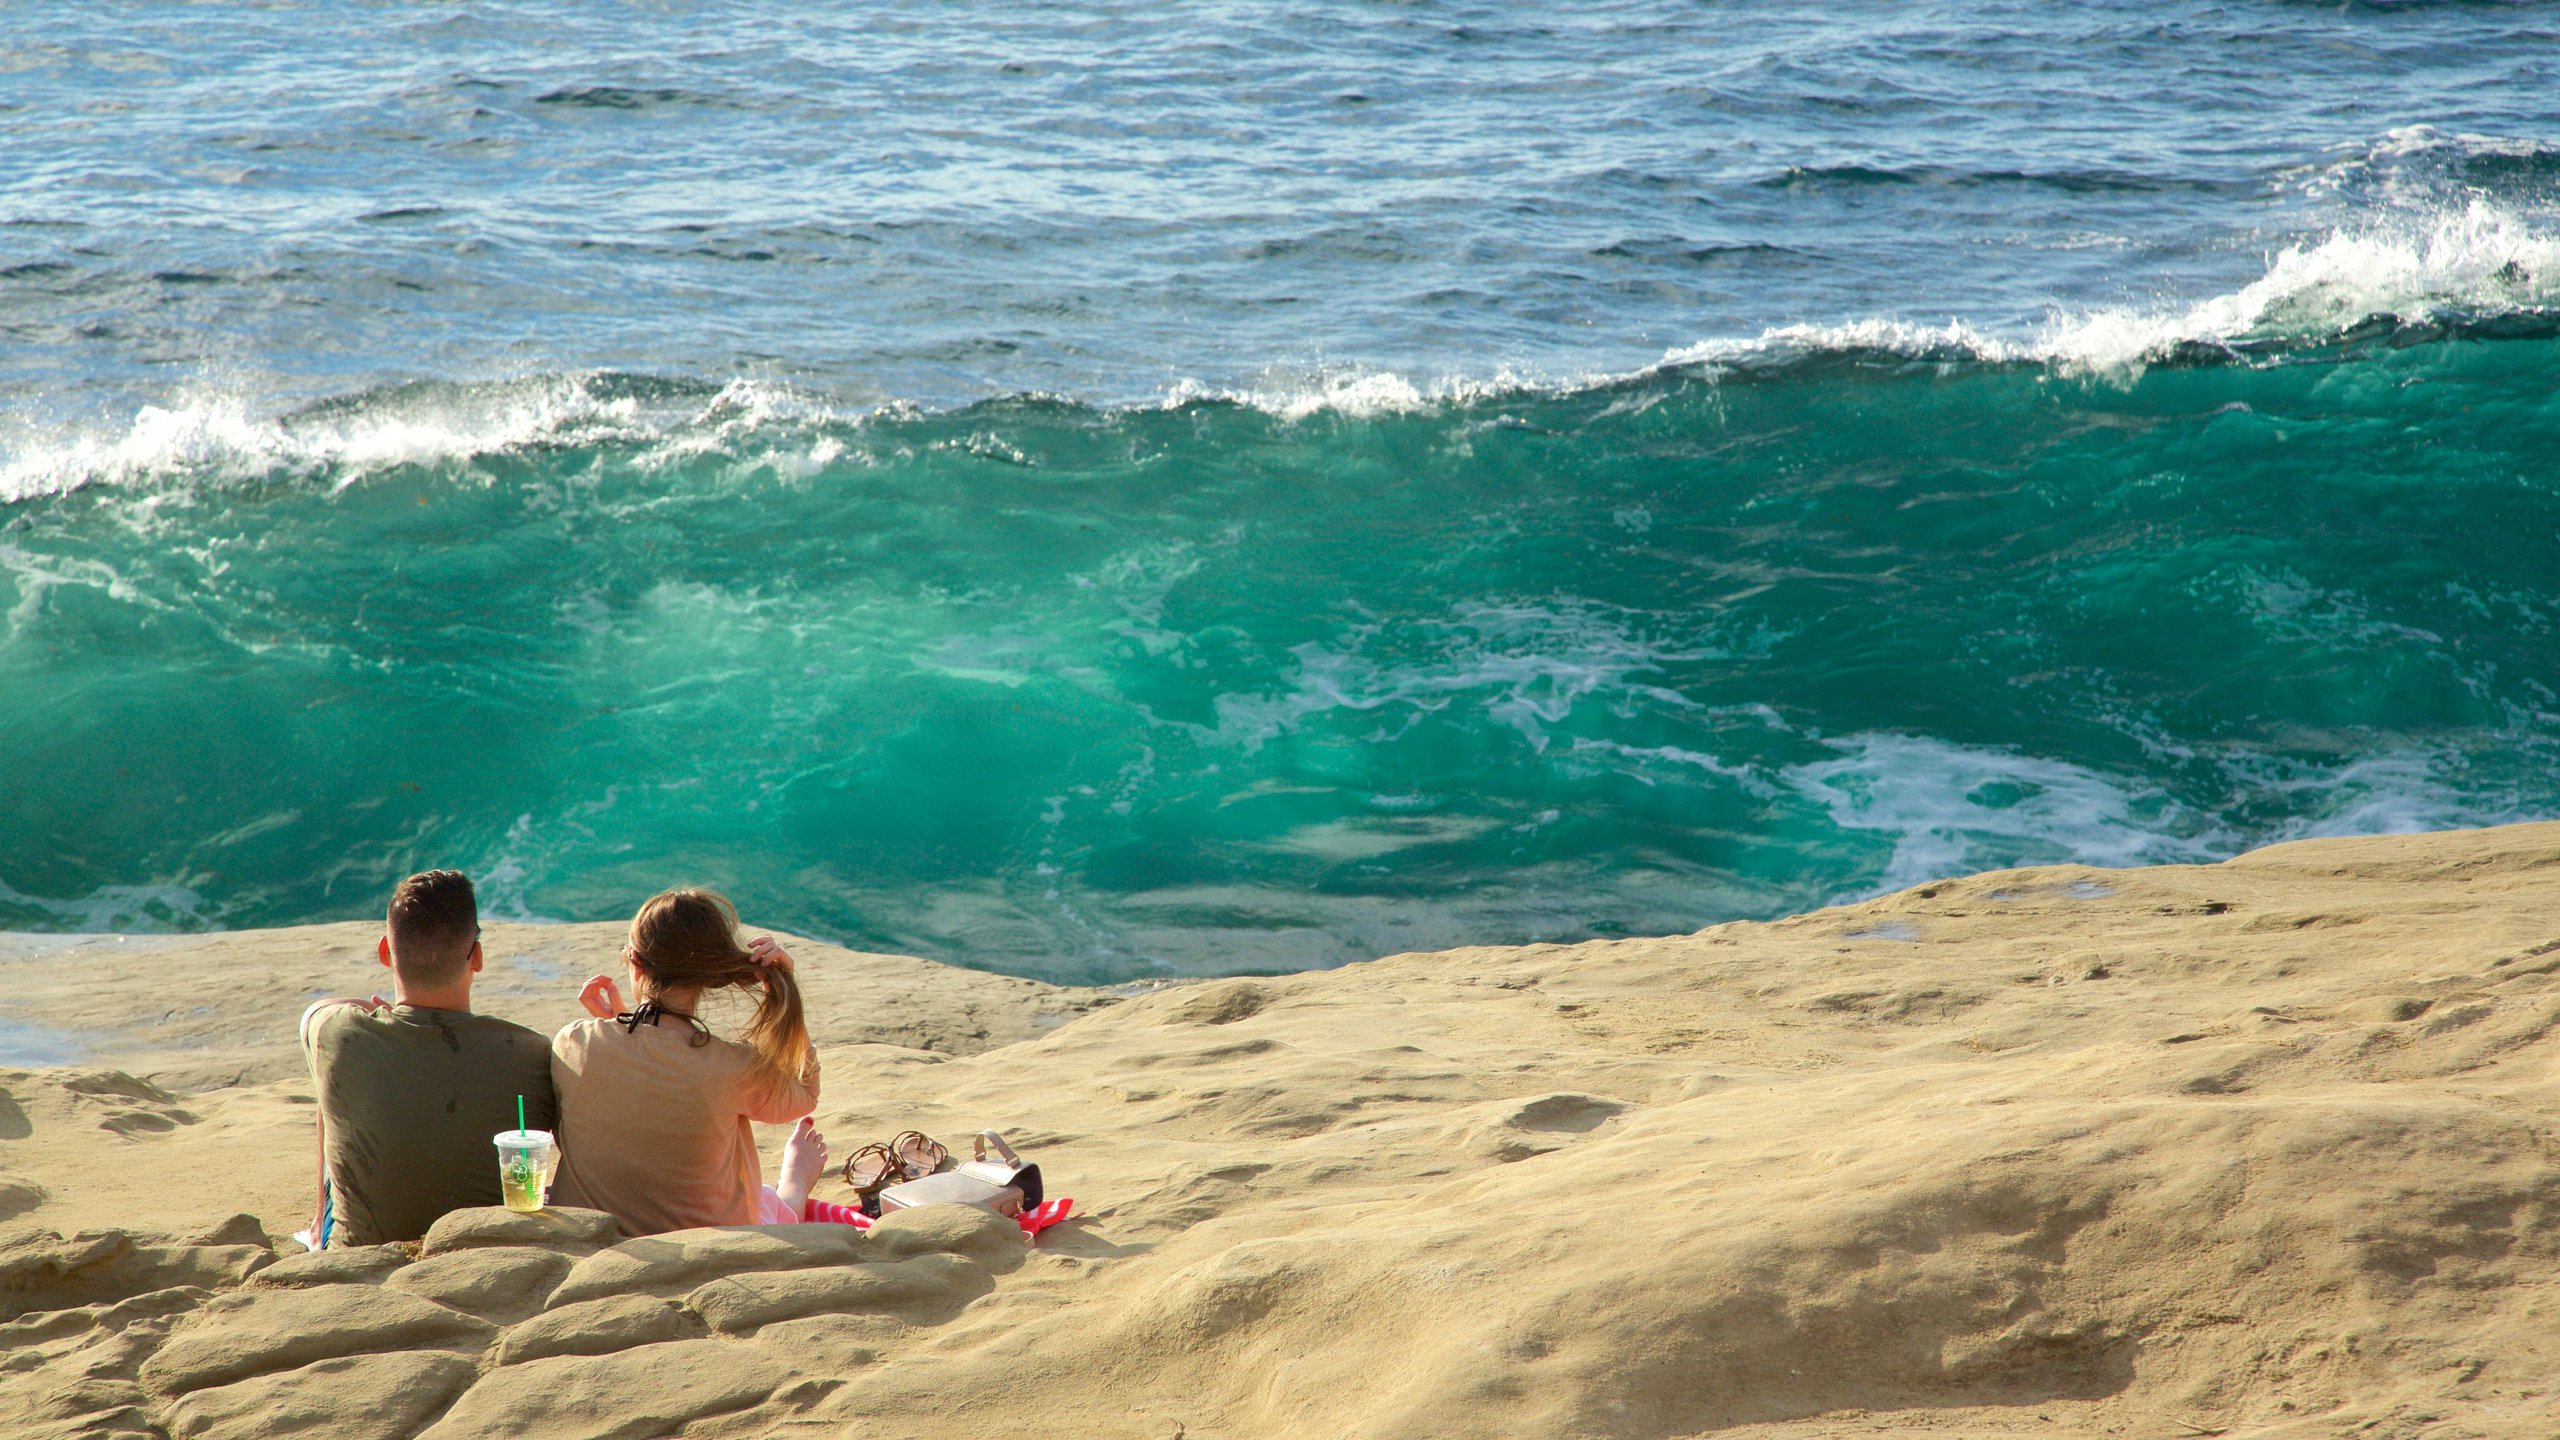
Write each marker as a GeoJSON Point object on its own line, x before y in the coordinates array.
{"type": "Point", "coordinates": [396, 1350]}
{"type": "Point", "coordinates": [2262, 1149]}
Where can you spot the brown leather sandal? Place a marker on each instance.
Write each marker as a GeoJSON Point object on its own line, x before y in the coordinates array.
{"type": "Point", "coordinates": [869, 1168]}
{"type": "Point", "coordinates": [918, 1154]}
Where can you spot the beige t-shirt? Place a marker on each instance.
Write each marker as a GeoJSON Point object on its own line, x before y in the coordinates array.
{"type": "Point", "coordinates": [654, 1128]}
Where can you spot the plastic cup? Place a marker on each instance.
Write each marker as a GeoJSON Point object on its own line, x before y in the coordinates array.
{"type": "Point", "coordinates": [526, 1161]}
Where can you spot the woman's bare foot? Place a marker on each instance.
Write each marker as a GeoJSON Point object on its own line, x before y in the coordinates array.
{"type": "Point", "coordinates": [804, 1159]}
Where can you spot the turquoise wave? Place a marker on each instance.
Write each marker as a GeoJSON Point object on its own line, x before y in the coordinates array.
{"type": "Point", "coordinates": [1091, 693]}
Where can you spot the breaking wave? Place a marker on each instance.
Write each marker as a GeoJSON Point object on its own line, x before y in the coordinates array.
{"type": "Point", "coordinates": [2475, 271]}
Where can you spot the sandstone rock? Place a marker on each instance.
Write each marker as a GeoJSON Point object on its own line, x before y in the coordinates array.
{"type": "Point", "coordinates": [835, 1344]}
{"type": "Point", "coordinates": [559, 1228]}
{"type": "Point", "coordinates": [44, 1270]}
{"type": "Point", "coordinates": [682, 1259]}
{"type": "Point", "coordinates": [357, 1397]}
{"type": "Point", "coordinates": [355, 1265]}
{"type": "Point", "coordinates": [216, 1267]}
{"type": "Point", "coordinates": [240, 1229]}
{"type": "Point", "coordinates": [981, 1235]}
{"type": "Point", "coordinates": [741, 1304]}
{"type": "Point", "coordinates": [37, 1254]}
{"type": "Point", "coordinates": [46, 1325]}
{"type": "Point", "coordinates": [597, 1327]}
{"type": "Point", "coordinates": [41, 1270]}
{"type": "Point", "coordinates": [645, 1392]}
{"type": "Point", "coordinates": [494, 1283]}
{"type": "Point", "coordinates": [81, 1410]}
{"type": "Point", "coordinates": [1767, 1180]}
{"type": "Point", "coordinates": [119, 1103]}
{"type": "Point", "coordinates": [1507, 1131]}
{"type": "Point", "coordinates": [17, 1197]}
{"type": "Point", "coordinates": [71, 1372]}
{"type": "Point", "coordinates": [1219, 1002]}
{"type": "Point", "coordinates": [258, 1331]}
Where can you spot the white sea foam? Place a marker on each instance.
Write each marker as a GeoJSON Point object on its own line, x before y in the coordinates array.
{"type": "Point", "coordinates": [511, 870]}
{"type": "Point", "coordinates": [37, 575]}
{"type": "Point", "coordinates": [216, 436]}
{"type": "Point", "coordinates": [2478, 260]}
{"type": "Point", "coordinates": [1638, 762]}
{"type": "Point", "coordinates": [2420, 260]}
{"type": "Point", "coordinates": [1355, 391]}
{"type": "Point", "coordinates": [1526, 666]}
{"type": "Point", "coordinates": [130, 909]}
{"type": "Point", "coordinates": [2410, 167]}
{"type": "Point", "coordinates": [2394, 793]}
{"type": "Point", "coordinates": [1955, 809]}
{"type": "Point", "coordinates": [1952, 340]}
{"type": "Point", "coordinates": [2474, 260]}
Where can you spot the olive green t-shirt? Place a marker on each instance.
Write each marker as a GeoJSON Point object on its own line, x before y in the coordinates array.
{"type": "Point", "coordinates": [411, 1101]}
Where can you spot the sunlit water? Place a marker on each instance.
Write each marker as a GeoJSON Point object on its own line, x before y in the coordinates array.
{"type": "Point", "coordinates": [1131, 489]}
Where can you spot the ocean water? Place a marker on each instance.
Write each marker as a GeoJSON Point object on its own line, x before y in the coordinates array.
{"type": "Point", "coordinates": [1133, 489]}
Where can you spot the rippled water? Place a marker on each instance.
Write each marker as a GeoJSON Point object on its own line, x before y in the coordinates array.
{"type": "Point", "coordinates": [1103, 201]}
{"type": "Point", "coordinates": [1126, 489]}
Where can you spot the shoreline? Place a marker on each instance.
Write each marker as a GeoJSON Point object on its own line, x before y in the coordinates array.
{"type": "Point", "coordinates": [234, 982]}
{"type": "Point", "coordinates": [2269, 1147]}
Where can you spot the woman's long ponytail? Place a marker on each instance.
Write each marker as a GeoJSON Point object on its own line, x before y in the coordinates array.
{"type": "Point", "coordinates": [779, 1033]}
{"type": "Point", "coordinates": [688, 940]}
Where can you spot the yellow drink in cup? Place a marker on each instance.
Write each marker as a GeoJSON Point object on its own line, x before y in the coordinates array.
{"type": "Point", "coordinates": [526, 1160]}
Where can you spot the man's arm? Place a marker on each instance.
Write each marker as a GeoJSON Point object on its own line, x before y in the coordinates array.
{"type": "Point", "coordinates": [319, 1110]}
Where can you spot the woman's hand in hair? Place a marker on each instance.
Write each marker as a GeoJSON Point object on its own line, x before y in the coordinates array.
{"type": "Point", "coordinates": [602, 997]}
{"type": "Point", "coordinates": [767, 955]}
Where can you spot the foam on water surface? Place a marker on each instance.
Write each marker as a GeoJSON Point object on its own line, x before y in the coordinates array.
{"type": "Point", "coordinates": [1105, 492]}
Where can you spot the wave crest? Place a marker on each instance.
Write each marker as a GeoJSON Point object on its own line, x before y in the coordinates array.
{"type": "Point", "coordinates": [2478, 268]}
{"type": "Point", "coordinates": [217, 438]}
{"type": "Point", "coordinates": [2453, 267]}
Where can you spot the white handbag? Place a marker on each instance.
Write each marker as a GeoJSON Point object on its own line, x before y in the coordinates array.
{"type": "Point", "coordinates": [1006, 1185]}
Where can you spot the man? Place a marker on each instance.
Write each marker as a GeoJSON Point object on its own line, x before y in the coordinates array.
{"type": "Point", "coordinates": [413, 1092]}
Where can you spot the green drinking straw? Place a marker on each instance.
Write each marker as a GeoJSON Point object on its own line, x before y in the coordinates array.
{"type": "Point", "coordinates": [519, 1114]}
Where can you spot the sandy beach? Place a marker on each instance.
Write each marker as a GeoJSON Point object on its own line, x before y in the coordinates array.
{"type": "Point", "coordinates": [2258, 1149]}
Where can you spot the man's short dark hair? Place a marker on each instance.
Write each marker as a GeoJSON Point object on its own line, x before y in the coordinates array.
{"type": "Point", "coordinates": [434, 921]}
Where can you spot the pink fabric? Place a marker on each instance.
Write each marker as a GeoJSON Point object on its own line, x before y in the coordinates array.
{"type": "Point", "coordinates": [1043, 1215]}
{"type": "Point", "coordinates": [771, 1211]}
{"type": "Point", "coordinates": [821, 1212]}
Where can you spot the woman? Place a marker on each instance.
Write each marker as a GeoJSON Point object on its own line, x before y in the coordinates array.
{"type": "Point", "coordinates": [655, 1110]}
